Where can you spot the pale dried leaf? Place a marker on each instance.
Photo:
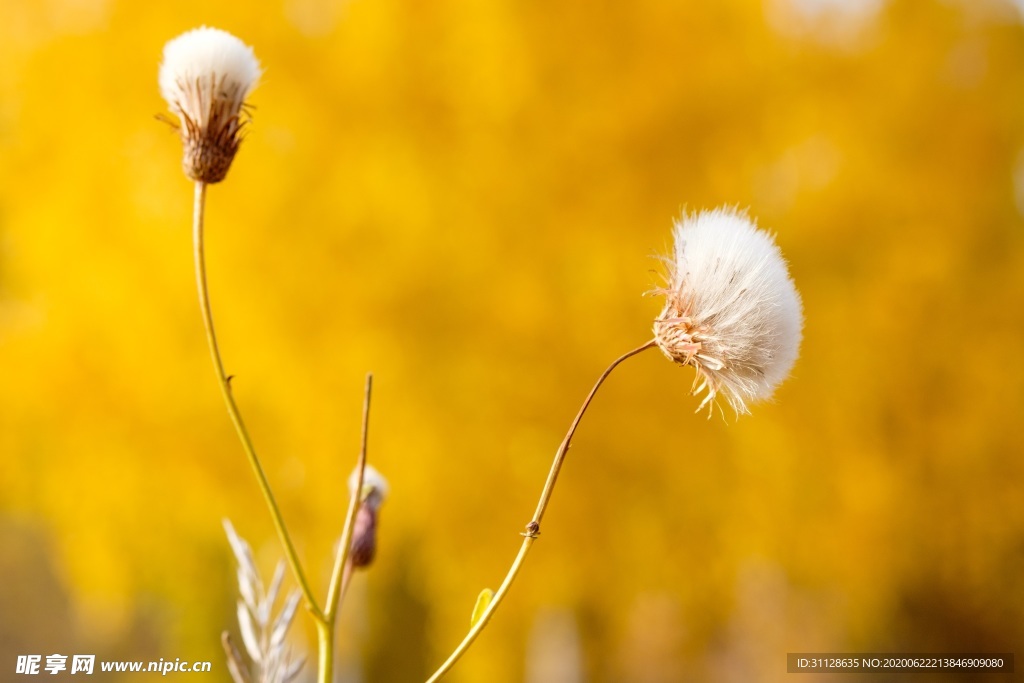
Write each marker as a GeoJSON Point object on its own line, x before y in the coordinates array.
{"type": "Point", "coordinates": [293, 669]}
{"type": "Point", "coordinates": [267, 603]}
{"type": "Point", "coordinates": [247, 589]}
{"type": "Point", "coordinates": [236, 666]}
{"type": "Point", "coordinates": [275, 585]}
{"type": "Point", "coordinates": [270, 668]}
{"type": "Point", "coordinates": [284, 619]}
{"type": "Point", "coordinates": [249, 639]}
{"type": "Point", "coordinates": [241, 549]}
{"type": "Point", "coordinates": [248, 577]}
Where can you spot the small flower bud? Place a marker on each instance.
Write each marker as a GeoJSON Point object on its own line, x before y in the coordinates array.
{"type": "Point", "coordinates": [364, 532]}
{"type": "Point", "coordinates": [205, 77]}
{"type": "Point", "coordinates": [364, 536]}
{"type": "Point", "coordinates": [731, 309]}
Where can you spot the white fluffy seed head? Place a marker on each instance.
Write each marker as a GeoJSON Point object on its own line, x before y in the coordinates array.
{"type": "Point", "coordinates": [205, 77]}
{"type": "Point", "coordinates": [731, 309]}
{"type": "Point", "coordinates": [374, 484]}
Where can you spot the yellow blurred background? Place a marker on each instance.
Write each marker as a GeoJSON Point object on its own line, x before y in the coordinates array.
{"type": "Point", "coordinates": [467, 199]}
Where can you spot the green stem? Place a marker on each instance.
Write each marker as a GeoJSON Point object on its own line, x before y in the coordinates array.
{"type": "Point", "coordinates": [533, 528]}
{"type": "Point", "coordinates": [342, 567]}
{"type": "Point", "coordinates": [236, 417]}
{"type": "Point", "coordinates": [325, 644]}
{"type": "Point", "coordinates": [341, 559]}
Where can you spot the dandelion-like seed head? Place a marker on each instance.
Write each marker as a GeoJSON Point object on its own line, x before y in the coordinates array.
{"type": "Point", "coordinates": [731, 310]}
{"type": "Point", "coordinates": [205, 77]}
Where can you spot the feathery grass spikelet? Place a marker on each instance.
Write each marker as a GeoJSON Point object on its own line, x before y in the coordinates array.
{"type": "Point", "coordinates": [731, 310]}
{"type": "Point", "coordinates": [262, 635]}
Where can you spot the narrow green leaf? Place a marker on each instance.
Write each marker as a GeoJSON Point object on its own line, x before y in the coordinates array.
{"type": "Point", "coordinates": [482, 601]}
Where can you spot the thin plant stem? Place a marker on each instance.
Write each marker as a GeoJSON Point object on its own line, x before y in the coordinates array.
{"type": "Point", "coordinates": [345, 578]}
{"type": "Point", "coordinates": [342, 566]}
{"type": "Point", "coordinates": [563, 450]}
{"type": "Point", "coordinates": [325, 631]}
{"type": "Point", "coordinates": [224, 381]}
{"type": "Point", "coordinates": [325, 646]}
{"type": "Point", "coordinates": [533, 528]}
{"type": "Point", "coordinates": [333, 593]}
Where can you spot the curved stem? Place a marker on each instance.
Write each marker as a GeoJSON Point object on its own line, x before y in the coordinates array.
{"type": "Point", "coordinates": [533, 528]}
{"type": "Point", "coordinates": [224, 381]}
{"type": "Point", "coordinates": [563, 450]}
